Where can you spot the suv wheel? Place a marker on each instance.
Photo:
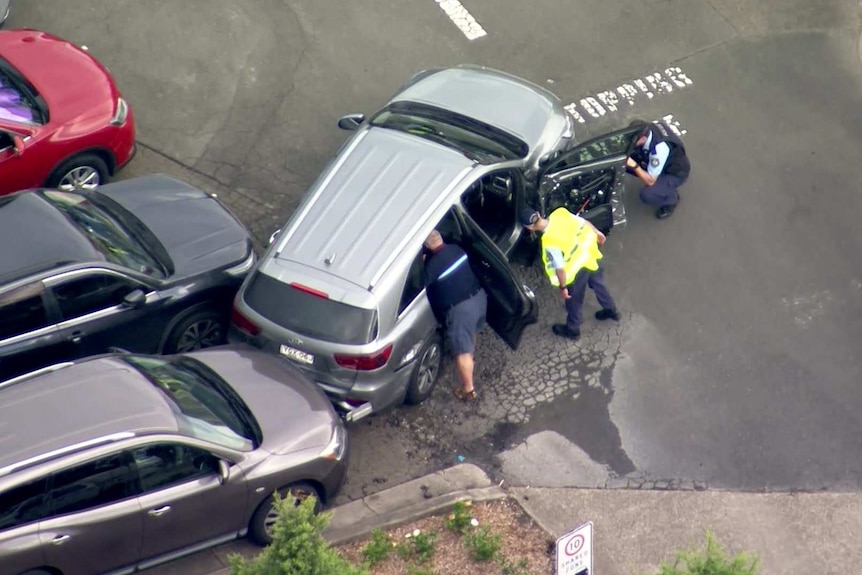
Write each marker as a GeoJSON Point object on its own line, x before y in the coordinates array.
{"type": "Point", "coordinates": [426, 372]}
{"type": "Point", "coordinates": [261, 526]}
{"type": "Point", "coordinates": [204, 328]}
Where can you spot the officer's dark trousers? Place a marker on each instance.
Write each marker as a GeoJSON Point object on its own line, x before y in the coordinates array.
{"type": "Point", "coordinates": [663, 192]}
{"type": "Point", "coordinates": [578, 291]}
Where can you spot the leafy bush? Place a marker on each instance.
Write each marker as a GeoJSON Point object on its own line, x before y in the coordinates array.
{"type": "Point", "coordinates": [482, 544]}
{"type": "Point", "coordinates": [712, 560]}
{"type": "Point", "coordinates": [420, 545]}
{"type": "Point", "coordinates": [459, 520]}
{"type": "Point", "coordinates": [378, 548]}
{"type": "Point", "coordinates": [297, 547]}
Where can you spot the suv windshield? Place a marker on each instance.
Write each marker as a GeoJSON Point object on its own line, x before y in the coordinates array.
{"type": "Point", "coordinates": [479, 142]}
{"type": "Point", "coordinates": [310, 314]}
{"type": "Point", "coordinates": [105, 232]}
{"type": "Point", "coordinates": [206, 407]}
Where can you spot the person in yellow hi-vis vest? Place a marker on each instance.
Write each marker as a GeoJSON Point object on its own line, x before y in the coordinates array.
{"type": "Point", "coordinates": [571, 256]}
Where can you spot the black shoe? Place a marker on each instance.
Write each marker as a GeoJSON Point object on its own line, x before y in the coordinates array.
{"type": "Point", "coordinates": [563, 330]}
{"type": "Point", "coordinates": [664, 212]}
{"type": "Point", "coordinates": [604, 314]}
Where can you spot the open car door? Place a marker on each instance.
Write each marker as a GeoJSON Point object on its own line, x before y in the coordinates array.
{"type": "Point", "coordinates": [511, 305]}
{"type": "Point", "coordinates": [588, 179]}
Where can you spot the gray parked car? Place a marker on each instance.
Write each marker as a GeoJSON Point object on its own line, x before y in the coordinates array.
{"type": "Point", "coordinates": [462, 150]}
{"type": "Point", "coordinates": [121, 462]}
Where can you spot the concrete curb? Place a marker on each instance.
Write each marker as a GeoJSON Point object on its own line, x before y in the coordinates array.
{"type": "Point", "coordinates": [410, 501]}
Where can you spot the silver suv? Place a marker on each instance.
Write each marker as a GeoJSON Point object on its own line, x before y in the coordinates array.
{"type": "Point", "coordinates": [461, 149]}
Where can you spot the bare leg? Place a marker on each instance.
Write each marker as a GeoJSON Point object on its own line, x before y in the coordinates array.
{"type": "Point", "coordinates": [464, 364]}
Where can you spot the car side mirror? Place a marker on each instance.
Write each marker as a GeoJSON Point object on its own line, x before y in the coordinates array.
{"type": "Point", "coordinates": [274, 236]}
{"type": "Point", "coordinates": [18, 144]}
{"type": "Point", "coordinates": [135, 299]}
{"type": "Point", "coordinates": [223, 471]}
{"type": "Point", "coordinates": [351, 122]}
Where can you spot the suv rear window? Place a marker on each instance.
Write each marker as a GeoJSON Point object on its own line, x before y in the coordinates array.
{"type": "Point", "coordinates": [310, 314]}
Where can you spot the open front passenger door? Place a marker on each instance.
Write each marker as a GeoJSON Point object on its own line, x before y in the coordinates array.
{"type": "Point", "coordinates": [588, 179]}
{"type": "Point", "coordinates": [511, 305]}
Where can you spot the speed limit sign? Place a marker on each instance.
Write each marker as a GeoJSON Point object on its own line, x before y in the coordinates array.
{"type": "Point", "coordinates": [575, 551]}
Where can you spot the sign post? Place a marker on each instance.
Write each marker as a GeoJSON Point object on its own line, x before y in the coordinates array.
{"type": "Point", "coordinates": [575, 551]}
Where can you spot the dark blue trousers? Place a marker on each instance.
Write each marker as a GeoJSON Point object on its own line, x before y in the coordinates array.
{"type": "Point", "coordinates": [663, 192]}
{"type": "Point", "coordinates": [578, 291]}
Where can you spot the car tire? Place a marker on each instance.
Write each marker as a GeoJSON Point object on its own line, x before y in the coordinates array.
{"type": "Point", "coordinates": [260, 526]}
{"type": "Point", "coordinates": [427, 371]}
{"type": "Point", "coordinates": [85, 171]}
{"type": "Point", "coordinates": [203, 328]}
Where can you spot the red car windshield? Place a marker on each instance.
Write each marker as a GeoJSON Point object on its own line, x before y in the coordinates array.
{"type": "Point", "coordinates": [16, 103]}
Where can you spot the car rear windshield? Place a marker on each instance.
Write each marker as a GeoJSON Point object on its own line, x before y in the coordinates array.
{"type": "Point", "coordinates": [310, 314]}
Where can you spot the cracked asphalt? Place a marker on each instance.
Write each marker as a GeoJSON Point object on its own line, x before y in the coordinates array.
{"type": "Point", "coordinates": [736, 362]}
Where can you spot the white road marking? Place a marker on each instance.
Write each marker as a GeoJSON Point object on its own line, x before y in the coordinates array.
{"type": "Point", "coordinates": [648, 86]}
{"type": "Point", "coordinates": [462, 19]}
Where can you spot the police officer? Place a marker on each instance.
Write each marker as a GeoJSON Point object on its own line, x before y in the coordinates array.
{"type": "Point", "coordinates": [667, 166]}
{"type": "Point", "coordinates": [570, 253]}
{"type": "Point", "coordinates": [458, 302]}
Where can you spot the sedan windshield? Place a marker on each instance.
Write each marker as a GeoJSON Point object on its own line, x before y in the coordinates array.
{"type": "Point", "coordinates": [205, 406]}
{"type": "Point", "coordinates": [479, 142]}
{"type": "Point", "coordinates": [105, 232]}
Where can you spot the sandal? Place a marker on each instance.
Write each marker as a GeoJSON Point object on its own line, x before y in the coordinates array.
{"type": "Point", "coordinates": [466, 395]}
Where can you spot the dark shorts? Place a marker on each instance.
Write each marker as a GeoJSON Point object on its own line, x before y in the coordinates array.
{"type": "Point", "coordinates": [464, 320]}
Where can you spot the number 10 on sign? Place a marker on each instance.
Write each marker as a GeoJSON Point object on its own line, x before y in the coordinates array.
{"type": "Point", "coordinates": [575, 551]}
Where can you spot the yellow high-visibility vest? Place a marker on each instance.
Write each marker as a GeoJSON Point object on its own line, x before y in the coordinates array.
{"type": "Point", "coordinates": [578, 241]}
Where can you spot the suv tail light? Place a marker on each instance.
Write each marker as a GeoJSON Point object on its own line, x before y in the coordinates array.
{"type": "Point", "coordinates": [243, 323]}
{"type": "Point", "coordinates": [364, 362]}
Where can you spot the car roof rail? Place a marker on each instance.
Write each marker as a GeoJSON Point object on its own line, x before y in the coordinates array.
{"type": "Point", "coordinates": [75, 447]}
{"type": "Point", "coordinates": [31, 374]}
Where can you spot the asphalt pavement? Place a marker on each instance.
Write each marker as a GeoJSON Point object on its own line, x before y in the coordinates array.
{"type": "Point", "coordinates": [735, 366]}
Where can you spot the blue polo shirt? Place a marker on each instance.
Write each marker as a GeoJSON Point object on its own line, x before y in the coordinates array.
{"type": "Point", "coordinates": [448, 279]}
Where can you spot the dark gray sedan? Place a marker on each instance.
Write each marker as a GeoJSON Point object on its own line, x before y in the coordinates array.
{"type": "Point", "coordinates": [117, 463]}
{"type": "Point", "coordinates": [149, 264]}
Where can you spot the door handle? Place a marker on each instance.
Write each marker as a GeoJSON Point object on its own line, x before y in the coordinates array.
{"type": "Point", "coordinates": [77, 336]}
{"type": "Point", "coordinates": [159, 512]}
{"type": "Point", "coordinates": [59, 539]}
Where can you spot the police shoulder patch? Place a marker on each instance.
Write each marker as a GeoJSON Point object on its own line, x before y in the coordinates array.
{"type": "Point", "coordinates": [653, 162]}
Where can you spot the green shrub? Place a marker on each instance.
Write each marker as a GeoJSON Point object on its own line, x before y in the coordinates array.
{"type": "Point", "coordinates": [297, 547]}
{"type": "Point", "coordinates": [420, 546]}
{"type": "Point", "coordinates": [516, 568]}
{"type": "Point", "coordinates": [419, 570]}
{"type": "Point", "coordinates": [459, 520]}
{"type": "Point", "coordinates": [378, 548]}
{"type": "Point", "coordinates": [711, 560]}
{"type": "Point", "coordinates": [482, 544]}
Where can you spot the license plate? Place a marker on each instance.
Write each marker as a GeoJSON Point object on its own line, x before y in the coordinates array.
{"type": "Point", "coordinates": [296, 354]}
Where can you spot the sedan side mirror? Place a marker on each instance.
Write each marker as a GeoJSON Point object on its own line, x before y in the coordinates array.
{"type": "Point", "coordinates": [223, 471]}
{"type": "Point", "coordinates": [135, 299]}
{"type": "Point", "coordinates": [18, 144]}
{"type": "Point", "coordinates": [351, 122]}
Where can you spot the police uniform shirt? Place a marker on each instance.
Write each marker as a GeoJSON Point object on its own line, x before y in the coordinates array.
{"type": "Point", "coordinates": [555, 256]}
{"type": "Point", "coordinates": [657, 160]}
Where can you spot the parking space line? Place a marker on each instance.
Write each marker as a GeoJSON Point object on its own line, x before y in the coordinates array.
{"type": "Point", "coordinates": [462, 19]}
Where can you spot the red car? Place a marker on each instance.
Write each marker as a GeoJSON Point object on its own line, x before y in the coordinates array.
{"type": "Point", "coordinates": [63, 122]}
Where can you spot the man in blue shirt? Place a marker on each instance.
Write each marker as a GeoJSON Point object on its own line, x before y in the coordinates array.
{"type": "Point", "coordinates": [667, 166]}
{"type": "Point", "coordinates": [458, 302]}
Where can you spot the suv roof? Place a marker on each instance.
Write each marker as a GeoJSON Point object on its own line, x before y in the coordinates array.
{"type": "Point", "coordinates": [42, 236]}
{"type": "Point", "coordinates": [57, 409]}
{"type": "Point", "coordinates": [382, 188]}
